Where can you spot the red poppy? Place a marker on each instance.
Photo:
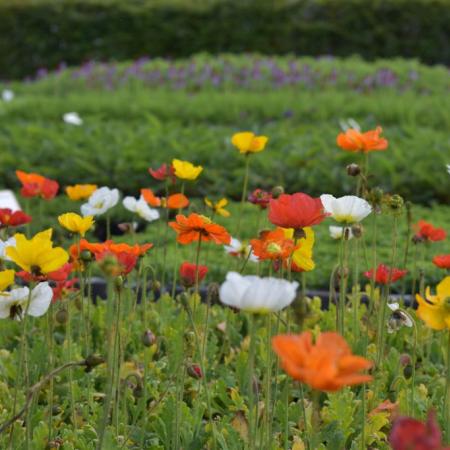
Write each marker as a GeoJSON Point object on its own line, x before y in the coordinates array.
{"type": "Point", "coordinates": [116, 263]}
{"type": "Point", "coordinates": [163, 172]}
{"type": "Point", "coordinates": [427, 232]}
{"type": "Point", "coordinates": [188, 273]}
{"type": "Point", "coordinates": [272, 245]}
{"type": "Point", "coordinates": [8, 218]}
{"type": "Point", "coordinates": [384, 274]}
{"type": "Point", "coordinates": [442, 261]}
{"type": "Point", "coordinates": [63, 288]}
{"type": "Point", "coordinates": [195, 227]}
{"type": "Point", "coordinates": [57, 276]}
{"type": "Point", "coordinates": [355, 141]}
{"type": "Point", "coordinates": [34, 185]}
{"type": "Point", "coordinates": [411, 434]}
{"type": "Point", "coordinates": [296, 211]}
{"type": "Point", "coordinates": [260, 198]}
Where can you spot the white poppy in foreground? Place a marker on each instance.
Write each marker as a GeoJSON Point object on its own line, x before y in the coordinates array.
{"type": "Point", "coordinates": [100, 201]}
{"type": "Point", "coordinates": [7, 95]}
{"type": "Point", "coordinates": [238, 249]}
{"type": "Point", "coordinates": [13, 304]}
{"type": "Point", "coordinates": [254, 294]}
{"type": "Point", "coordinates": [336, 232]}
{"type": "Point", "coordinates": [141, 208]}
{"type": "Point", "coordinates": [11, 242]}
{"type": "Point", "coordinates": [72, 118]}
{"type": "Point", "coordinates": [349, 209]}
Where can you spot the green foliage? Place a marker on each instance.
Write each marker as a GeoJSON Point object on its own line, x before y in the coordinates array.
{"type": "Point", "coordinates": [43, 33]}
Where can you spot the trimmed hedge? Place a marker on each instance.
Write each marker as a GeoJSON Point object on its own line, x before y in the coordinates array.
{"type": "Point", "coordinates": [44, 33]}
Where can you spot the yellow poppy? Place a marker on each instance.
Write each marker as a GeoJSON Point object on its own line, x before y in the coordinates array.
{"type": "Point", "coordinates": [37, 255]}
{"type": "Point", "coordinates": [434, 310]}
{"type": "Point", "coordinates": [218, 207]}
{"type": "Point", "coordinates": [184, 170]}
{"type": "Point", "coordinates": [248, 142]}
{"type": "Point", "coordinates": [80, 191]}
{"type": "Point", "coordinates": [75, 223]}
{"type": "Point", "coordinates": [6, 279]}
{"type": "Point", "coordinates": [302, 258]}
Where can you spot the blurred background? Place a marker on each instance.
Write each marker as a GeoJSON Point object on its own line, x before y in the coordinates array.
{"type": "Point", "coordinates": [149, 80]}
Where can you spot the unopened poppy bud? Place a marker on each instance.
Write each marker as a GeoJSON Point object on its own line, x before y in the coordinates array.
{"type": "Point", "coordinates": [357, 230]}
{"type": "Point", "coordinates": [353, 170]}
{"type": "Point", "coordinates": [407, 371]}
{"type": "Point", "coordinates": [396, 202]}
{"type": "Point", "coordinates": [277, 191]}
{"type": "Point", "coordinates": [195, 371]}
{"type": "Point", "coordinates": [213, 292]}
{"type": "Point", "coordinates": [376, 196]}
{"type": "Point", "coordinates": [62, 316]}
{"type": "Point", "coordinates": [405, 359]}
{"type": "Point", "coordinates": [86, 256]}
{"type": "Point", "coordinates": [118, 283]}
{"type": "Point", "coordinates": [156, 286]}
{"type": "Point", "coordinates": [416, 239]}
{"type": "Point", "coordinates": [93, 361]}
{"type": "Point", "coordinates": [189, 336]}
{"type": "Point", "coordinates": [56, 410]}
{"type": "Point", "coordinates": [148, 338]}
{"type": "Point", "coordinates": [299, 233]}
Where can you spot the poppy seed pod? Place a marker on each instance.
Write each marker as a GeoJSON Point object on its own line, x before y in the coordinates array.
{"type": "Point", "coordinates": [62, 316]}
{"type": "Point", "coordinates": [277, 191]}
{"type": "Point", "coordinates": [357, 230]}
{"type": "Point", "coordinates": [353, 170]}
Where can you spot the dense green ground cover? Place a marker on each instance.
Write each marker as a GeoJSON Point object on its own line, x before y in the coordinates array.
{"type": "Point", "coordinates": [130, 124]}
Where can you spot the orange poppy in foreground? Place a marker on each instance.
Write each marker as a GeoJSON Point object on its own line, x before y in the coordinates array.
{"type": "Point", "coordinates": [273, 245]}
{"type": "Point", "coordinates": [328, 365]}
{"type": "Point", "coordinates": [355, 141]}
{"type": "Point", "coordinates": [195, 227]}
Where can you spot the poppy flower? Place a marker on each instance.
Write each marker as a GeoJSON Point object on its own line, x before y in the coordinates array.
{"type": "Point", "coordinates": [247, 142]}
{"type": "Point", "coordinates": [100, 201]}
{"type": "Point", "coordinates": [6, 279]}
{"type": "Point", "coordinates": [163, 172]}
{"type": "Point", "coordinates": [140, 208]}
{"type": "Point", "coordinates": [174, 201]}
{"type": "Point", "coordinates": [37, 255]}
{"type": "Point", "coordinates": [195, 227]}
{"type": "Point", "coordinates": [239, 250]}
{"type": "Point", "coordinates": [184, 170]}
{"type": "Point", "coordinates": [255, 294]}
{"type": "Point", "coordinates": [296, 211]}
{"type": "Point", "coordinates": [348, 209]}
{"type": "Point", "coordinates": [385, 275]}
{"type": "Point", "coordinates": [135, 250]}
{"type": "Point", "coordinates": [73, 118]}
{"type": "Point", "coordinates": [188, 273]}
{"type": "Point", "coordinates": [80, 191]}
{"type": "Point", "coordinates": [272, 245]}
{"type": "Point", "coordinates": [75, 223]}
{"type": "Point", "coordinates": [301, 258]}
{"type": "Point", "coordinates": [34, 185]}
{"type": "Point", "coordinates": [434, 309]}
{"type": "Point", "coordinates": [57, 275]}
{"type": "Point", "coordinates": [15, 303]}
{"type": "Point", "coordinates": [218, 207]}
{"type": "Point", "coordinates": [355, 141]}
{"type": "Point", "coordinates": [442, 261]}
{"type": "Point", "coordinates": [10, 242]}
{"type": "Point", "coordinates": [116, 263]}
{"type": "Point", "coordinates": [64, 288]}
{"type": "Point", "coordinates": [260, 198]}
{"type": "Point", "coordinates": [326, 365]}
{"type": "Point", "coordinates": [411, 434]}
{"type": "Point", "coordinates": [9, 218]}
{"type": "Point", "coordinates": [425, 231]}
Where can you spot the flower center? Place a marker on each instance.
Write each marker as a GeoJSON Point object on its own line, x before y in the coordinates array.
{"type": "Point", "coordinates": [15, 311]}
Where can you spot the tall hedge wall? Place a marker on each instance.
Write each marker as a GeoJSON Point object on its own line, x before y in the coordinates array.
{"type": "Point", "coordinates": [43, 33]}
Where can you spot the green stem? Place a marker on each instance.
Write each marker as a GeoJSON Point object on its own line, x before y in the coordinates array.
{"type": "Point", "coordinates": [244, 193]}
{"type": "Point", "coordinates": [447, 394]}
{"type": "Point", "coordinates": [413, 365]}
{"type": "Point", "coordinates": [268, 414]}
{"type": "Point", "coordinates": [251, 393]}
{"type": "Point", "coordinates": [343, 282]}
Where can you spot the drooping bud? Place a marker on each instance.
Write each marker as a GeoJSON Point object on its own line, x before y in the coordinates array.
{"type": "Point", "coordinates": [148, 338]}
{"type": "Point", "coordinates": [353, 170]}
{"type": "Point", "coordinates": [195, 371]}
{"type": "Point", "coordinates": [93, 361]}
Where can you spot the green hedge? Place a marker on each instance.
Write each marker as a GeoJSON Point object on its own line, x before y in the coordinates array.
{"type": "Point", "coordinates": [43, 33]}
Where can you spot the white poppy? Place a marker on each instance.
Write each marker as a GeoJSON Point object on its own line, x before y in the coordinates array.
{"type": "Point", "coordinates": [255, 294]}
{"type": "Point", "coordinates": [336, 232]}
{"type": "Point", "coordinates": [399, 318]}
{"type": "Point", "coordinates": [237, 248]}
{"type": "Point", "coordinates": [11, 242]}
{"type": "Point", "coordinates": [72, 118]}
{"type": "Point", "coordinates": [7, 95]}
{"type": "Point", "coordinates": [349, 209]}
{"type": "Point", "coordinates": [100, 201]}
{"type": "Point", "coordinates": [13, 304]}
{"type": "Point", "coordinates": [141, 208]}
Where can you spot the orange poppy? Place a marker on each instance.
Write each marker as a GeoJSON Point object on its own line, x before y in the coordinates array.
{"type": "Point", "coordinates": [34, 185]}
{"type": "Point", "coordinates": [272, 245]}
{"type": "Point", "coordinates": [328, 365]}
{"type": "Point", "coordinates": [195, 227]}
{"type": "Point", "coordinates": [355, 141]}
{"type": "Point", "coordinates": [174, 201]}
{"type": "Point", "coordinates": [136, 249]}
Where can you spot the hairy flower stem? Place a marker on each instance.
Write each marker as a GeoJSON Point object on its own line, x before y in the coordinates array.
{"type": "Point", "coordinates": [69, 357]}
{"type": "Point", "coordinates": [413, 366]}
{"type": "Point", "coordinates": [355, 289]}
{"type": "Point", "coordinates": [175, 263]}
{"type": "Point", "coordinates": [447, 394]}
{"type": "Point", "coordinates": [108, 226]}
{"type": "Point", "coordinates": [315, 420]}
{"type": "Point", "coordinates": [252, 415]}
{"type": "Point", "coordinates": [49, 318]}
{"type": "Point", "coordinates": [166, 230]}
{"type": "Point", "coordinates": [288, 380]}
{"type": "Point", "coordinates": [244, 193]}
{"type": "Point", "coordinates": [267, 411]}
{"type": "Point", "coordinates": [343, 274]}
